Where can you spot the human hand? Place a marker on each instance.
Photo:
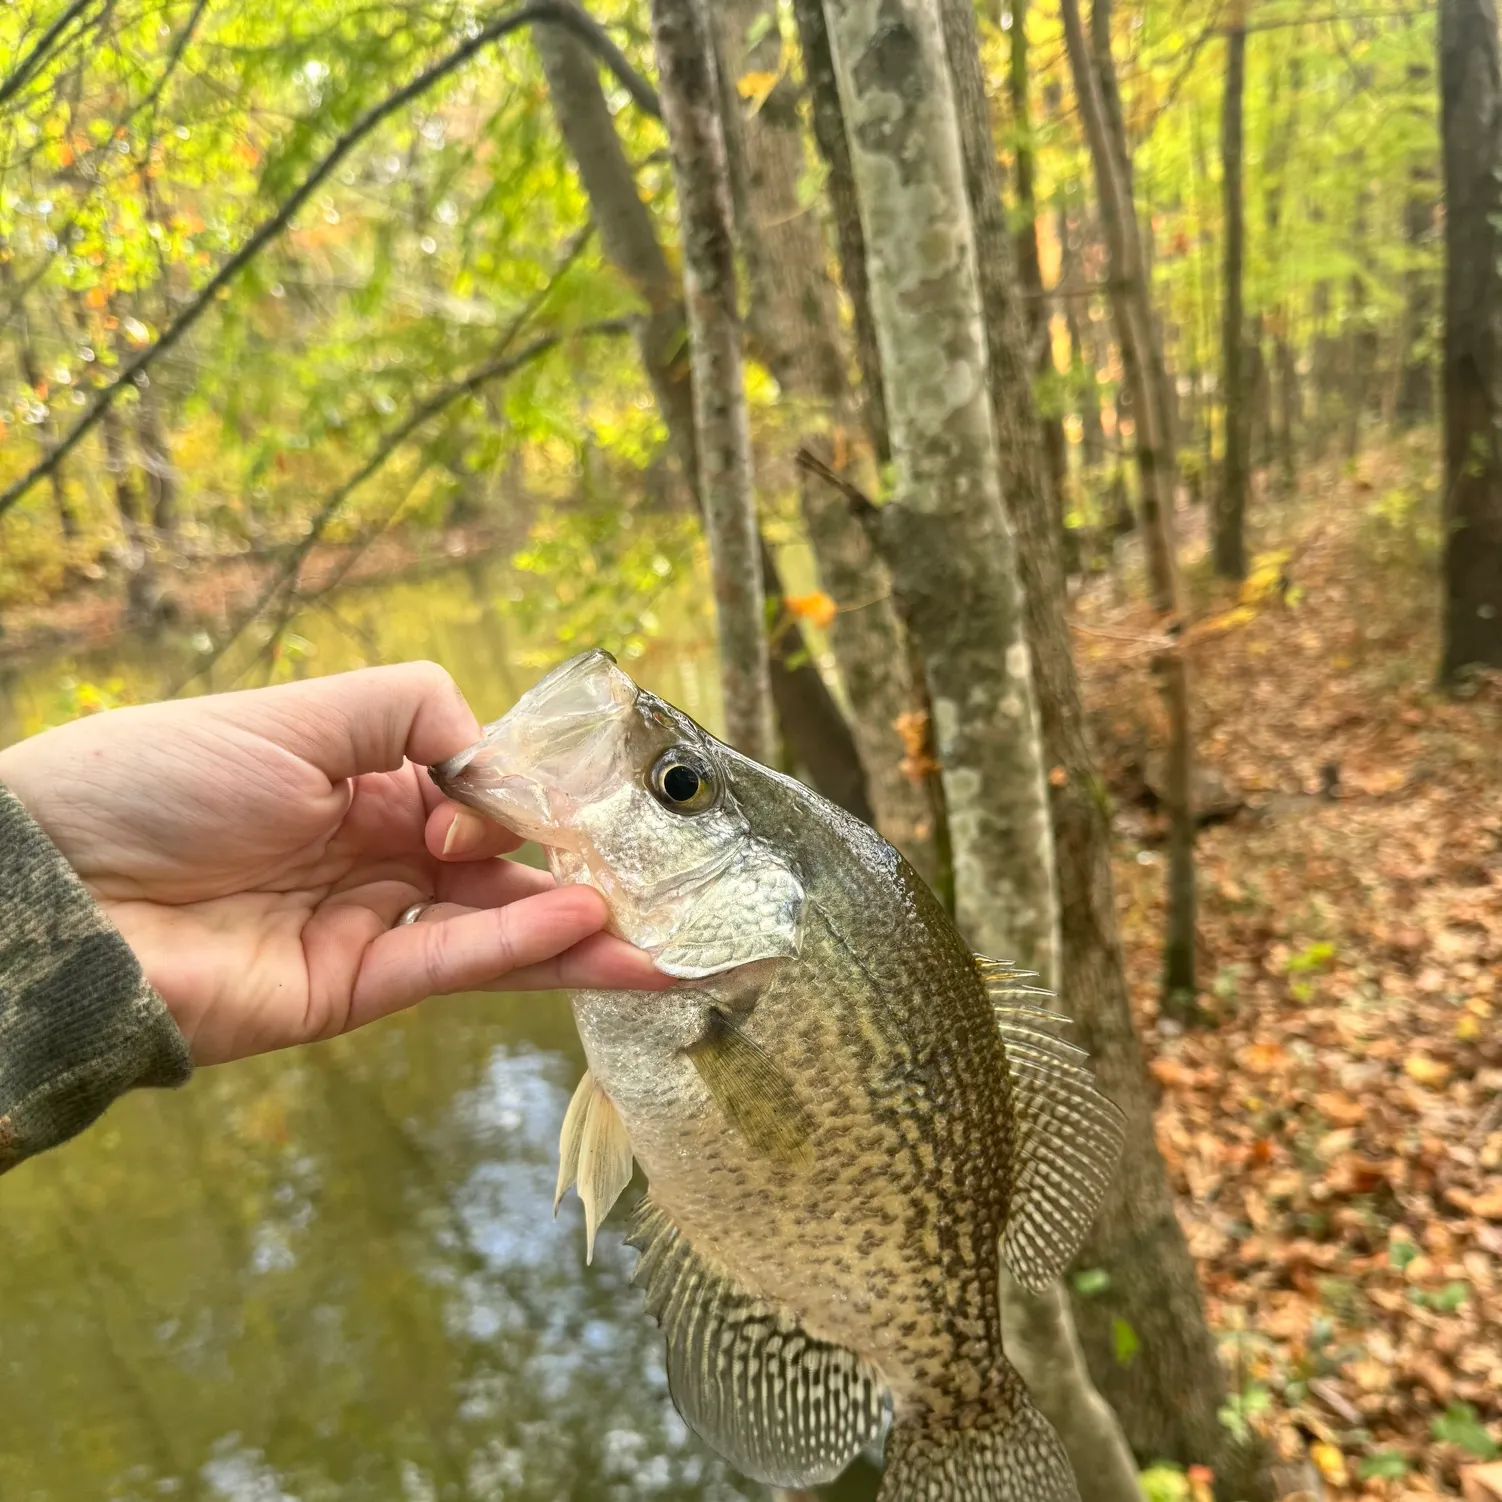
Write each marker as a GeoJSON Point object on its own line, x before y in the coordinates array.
{"type": "Point", "coordinates": [255, 849]}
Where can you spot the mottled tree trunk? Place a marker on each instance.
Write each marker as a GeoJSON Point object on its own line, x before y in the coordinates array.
{"type": "Point", "coordinates": [950, 547]}
{"type": "Point", "coordinates": [1147, 382]}
{"type": "Point", "coordinates": [795, 315]}
{"type": "Point", "coordinates": [722, 425]}
{"type": "Point", "coordinates": [944, 531]}
{"type": "Point", "coordinates": [1169, 1395]}
{"type": "Point", "coordinates": [1229, 543]}
{"type": "Point", "coordinates": [1471, 105]}
{"type": "Point", "coordinates": [813, 728]}
{"type": "Point", "coordinates": [1030, 267]}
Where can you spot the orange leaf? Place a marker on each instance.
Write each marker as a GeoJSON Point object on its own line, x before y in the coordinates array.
{"type": "Point", "coordinates": [95, 297]}
{"type": "Point", "coordinates": [817, 609]}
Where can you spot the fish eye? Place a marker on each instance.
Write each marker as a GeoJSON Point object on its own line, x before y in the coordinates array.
{"type": "Point", "coordinates": [683, 781]}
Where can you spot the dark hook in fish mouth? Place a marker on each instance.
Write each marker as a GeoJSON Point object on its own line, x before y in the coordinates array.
{"type": "Point", "coordinates": [444, 773]}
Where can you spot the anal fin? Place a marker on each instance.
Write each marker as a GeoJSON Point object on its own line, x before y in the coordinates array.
{"type": "Point", "coordinates": [1067, 1136]}
{"type": "Point", "coordinates": [783, 1407]}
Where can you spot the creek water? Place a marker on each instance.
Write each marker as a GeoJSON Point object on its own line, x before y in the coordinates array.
{"type": "Point", "coordinates": [334, 1273]}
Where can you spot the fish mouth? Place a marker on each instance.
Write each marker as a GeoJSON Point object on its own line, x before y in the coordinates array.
{"type": "Point", "coordinates": [562, 740]}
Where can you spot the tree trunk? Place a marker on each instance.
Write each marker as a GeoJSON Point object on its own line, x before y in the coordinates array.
{"type": "Point", "coordinates": [117, 461]}
{"type": "Point", "coordinates": [947, 537]}
{"type": "Point", "coordinates": [1148, 385]}
{"type": "Point", "coordinates": [1471, 112]}
{"type": "Point", "coordinates": [828, 116]}
{"type": "Point", "coordinates": [1169, 1396]}
{"type": "Point", "coordinates": [805, 709]}
{"type": "Point", "coordinates": [722, 426]}
{"type": "Point", "coordinates": [1361, 330]}
{"type": "Point", "coordinates": [1030, 268]}
{"type": "Point", "coordinates": [795, 314]}
{"type": "Point", "coordinates": [1076, 299]}
{"type": "Point", "coordinates": [1284, 439]}
{"type": "Point", "coordinates": [1229, 550]}
{"type": "Point", "coordinates": [1132, 309]}
{"type": "Point", "coordinates": [67, 518]}
{"type": "Point", "coordinates": [161, 477]}
{"type": "Point", "coordinates": [1415, 400]}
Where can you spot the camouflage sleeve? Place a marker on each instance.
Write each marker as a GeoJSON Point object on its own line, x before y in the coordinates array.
{"type": "Point", "coordinates": [78, 1023]}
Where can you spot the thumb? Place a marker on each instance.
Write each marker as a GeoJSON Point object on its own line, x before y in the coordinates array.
{"type": "Point", "coordinates": [369, 720]}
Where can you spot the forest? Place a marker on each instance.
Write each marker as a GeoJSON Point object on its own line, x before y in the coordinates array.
{"type": "Point", "coordinates": [1063, 434]}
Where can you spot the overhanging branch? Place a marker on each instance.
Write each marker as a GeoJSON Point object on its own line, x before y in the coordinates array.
{"type": "Point", "coordinates": [556, 12]}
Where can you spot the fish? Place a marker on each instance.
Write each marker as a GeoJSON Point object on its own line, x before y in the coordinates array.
{"type": "Point", "coordinates": [847, 1119]}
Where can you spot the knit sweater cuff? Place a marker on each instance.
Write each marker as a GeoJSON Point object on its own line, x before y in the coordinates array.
{"type": "Point", "coordinates": [79, 1025]}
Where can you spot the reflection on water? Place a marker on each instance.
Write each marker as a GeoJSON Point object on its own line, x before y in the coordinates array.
{"type": "Point", "coordinates": [335, 1273]}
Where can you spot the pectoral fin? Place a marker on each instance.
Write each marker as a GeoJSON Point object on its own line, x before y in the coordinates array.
{"type": "Point", "coordinates": [756, 1097]}
{"type": "Point", "coordinates": [595, 1152]}
{"type": "Point", "coordinates": [780, 1405]}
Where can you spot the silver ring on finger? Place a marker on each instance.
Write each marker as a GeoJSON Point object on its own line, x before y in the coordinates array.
{"type": "Point", "coordinates": [413, 913]}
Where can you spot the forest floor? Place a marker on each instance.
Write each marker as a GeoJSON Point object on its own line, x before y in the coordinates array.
{"type": "Point", "coordinates": [1334, 1131]}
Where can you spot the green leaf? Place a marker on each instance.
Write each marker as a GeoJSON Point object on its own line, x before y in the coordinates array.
{"type": "Point", "coordinates": [1458, 1425]}
{"type": "Point", "coordinates": [1382, 1465]}
{"type": "Point", "coordinates": [1090, 1281]}
{"type": "Point", "coordinates": [1124, 1341]}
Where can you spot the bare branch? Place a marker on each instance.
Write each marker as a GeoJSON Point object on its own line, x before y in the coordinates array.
{"type": "Point", "coordinates": [38, 57]}
{"type": "Point", "coordinates": [494, 369]}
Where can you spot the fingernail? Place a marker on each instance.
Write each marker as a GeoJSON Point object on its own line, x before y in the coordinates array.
{"type": "Point", "coordinates": [467, 832]}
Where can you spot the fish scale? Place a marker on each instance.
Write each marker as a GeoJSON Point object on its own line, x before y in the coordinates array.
{"type": "Point", "coordinates": [846, 1118]}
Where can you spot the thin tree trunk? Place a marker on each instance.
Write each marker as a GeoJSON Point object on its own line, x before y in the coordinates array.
{"type": "Point", "coordinates": [1229, 550]}
{"type": "Point", "coordinates": [722, 426]}
{"type": "Point", "coordinates": [1361, 336]}
{"type": "Point", "coordinates": [1174, 1386]}
{"type": "Point", "coordinates": [117, 461]}
{"type": "Point", "coordinates": [812, 726]}
{"type": "Point", "coordinates": [828, 118]}
{"type": "Point", "coordinates": [1415, 399]}
{"type": "Point", "coordinates": [795, 314]}
{"type": "Point", "coordinates": [1280, 149]}
{"type": "Point", "coordinates": [1471, 112]}
{"type": "Point", "coordinates": [156, 460]}
{"type": "Point", "coordinates": [1071, 232]}
{"type": "Point", "coordinates": [1147, 382]}
{"type": "Point", "coordinates": [1030, 267]}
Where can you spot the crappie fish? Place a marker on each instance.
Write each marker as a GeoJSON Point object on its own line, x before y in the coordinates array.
{"type": "Point", "coordinates": [846, 1118]}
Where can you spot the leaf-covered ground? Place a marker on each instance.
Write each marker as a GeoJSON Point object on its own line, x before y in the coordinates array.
{"type": "Point", "coordinates": [1335, 1132]}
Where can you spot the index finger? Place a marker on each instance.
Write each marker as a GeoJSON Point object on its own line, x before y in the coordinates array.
{"type": "Point", "coordinates": [368, 720]}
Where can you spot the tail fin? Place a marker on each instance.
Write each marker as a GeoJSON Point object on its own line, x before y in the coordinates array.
{"type": "Point", "coordinates": [1014, 1456]}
